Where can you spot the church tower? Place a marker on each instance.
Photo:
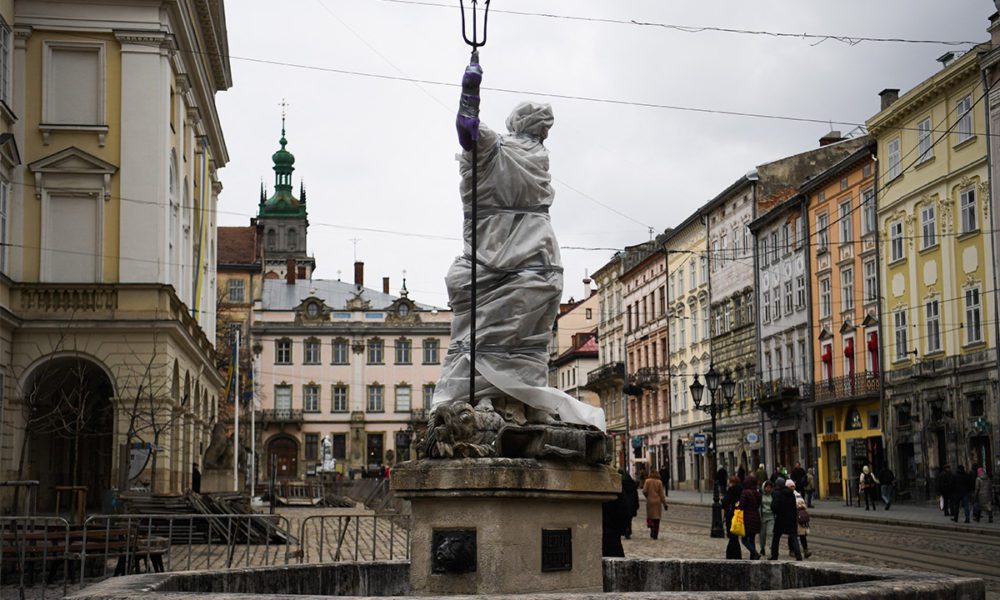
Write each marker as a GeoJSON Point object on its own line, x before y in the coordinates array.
{"type": "Point", "coordinates": [284, 222]}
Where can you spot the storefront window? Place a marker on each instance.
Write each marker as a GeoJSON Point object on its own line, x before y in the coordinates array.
{"type": "Point", "coordinates": [853, 420]}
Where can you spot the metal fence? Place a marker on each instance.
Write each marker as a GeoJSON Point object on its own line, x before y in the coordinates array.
{"type": "Point", "coordinates": [355, 537]}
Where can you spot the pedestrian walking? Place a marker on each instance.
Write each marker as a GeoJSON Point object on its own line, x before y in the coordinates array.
{"type": "Point", "coordinates": [802, 517]}
{"type": "Point", "coordinates": [887, 479]}
{"type": "Point", "coordinates": [960, 492]}
{"type": "Point", "coordinates": [741, 472]}
{"type": "Point", "coordinates": [786, 522]}
{"type": "Point", "coordinates": [730, 502]}
{"type": "Point", "coordinates": [867, 486]}
{"type": "Point", "coordinates": [665, 478]}
{"type": "Point", "coordinates": [616, 515]}
{"type": "Point", "coordinates": [799, 477]}
{"type": "Point", "coordinates": [656, 503]}
{"type": "Point", "coordinates": [750, 503]}
{"type": "Point", "coordinates": [810, 486]}
{"type": "Point", "coordinates": [721, 479]}
{"type": "Point", "coordinates": [760, 474]}
{"type": "Point", "coordinates": [766, 516]}
{"type": "Point", "coordinates": [983, 495]}
{"type": "Point", "coordinates": [631, 492]}
{"type": "Point", "coordinates": [945, 483]}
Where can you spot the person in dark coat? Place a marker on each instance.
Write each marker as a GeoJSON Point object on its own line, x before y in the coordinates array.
{"type": "Point", "coordinates": [721, 479]}
{"type": "Point", "coordinates": [750, 503]}
{"type": "Point", "coordinates": [631, 492]}
{"type": "Point", "coordinates": [798, 475]}
{"type": "Point", "coordinates": [665, 478]}
{"type": "Point", "coordinates": [195, 478]}
{"type": "Point", "coordinates": [729, 502]}
{"type": "Point", "coordinates": [944, 488]}
{"type": "Point", "coordinates": [786, 521]}
{"type": "Point", "coordinates": [615, 515]}
{"type": "Point", "coordinates": [886, 477]}
{"type": "Point", "coordinates": [960, 491]}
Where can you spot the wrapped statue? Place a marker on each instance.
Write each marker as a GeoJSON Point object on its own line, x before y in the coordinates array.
{"type": "Point", "coordinates": [329, 462]}
{"type": "Point", "coordinates": [519, 287]}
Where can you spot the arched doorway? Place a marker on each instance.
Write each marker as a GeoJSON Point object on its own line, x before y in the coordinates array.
{"type": "Point", "coordinates": [69, 428]}
{"type": "Point", "coordinates": [283, 457]}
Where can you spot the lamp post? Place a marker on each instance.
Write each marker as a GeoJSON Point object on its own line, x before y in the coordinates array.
{"type": "Point", "coordinates": [714, 408]}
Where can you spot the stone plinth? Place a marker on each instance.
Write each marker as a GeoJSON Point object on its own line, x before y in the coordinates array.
{"type": "Point", "coordinates": [479, 525]}
{"type": "Point", "coordinates": [218, 480]}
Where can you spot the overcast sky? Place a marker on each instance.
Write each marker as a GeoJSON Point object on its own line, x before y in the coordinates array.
{"type": "Point", "coordinates": [380, 154]}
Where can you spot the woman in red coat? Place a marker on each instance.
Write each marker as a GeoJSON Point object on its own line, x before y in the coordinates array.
{"type": "Point", "coordinates": [750, 503]}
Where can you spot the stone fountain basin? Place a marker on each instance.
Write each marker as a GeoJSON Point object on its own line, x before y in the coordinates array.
{"type": "Point", "coordinates": [645, 579]}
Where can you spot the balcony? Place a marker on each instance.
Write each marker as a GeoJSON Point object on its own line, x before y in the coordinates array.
{"type": "Point", "coordinates": [606, 375]}
{"type": "Point", "coordinates": [845, 388]}
{"type": "Point", "coordinates": [279, 417]}
{"type": "Point", "coordinates": [647, 377]}
{"type": "Point", "coordinates": [779, 396]}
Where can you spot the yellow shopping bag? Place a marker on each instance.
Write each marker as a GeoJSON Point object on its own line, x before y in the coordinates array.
{"type": "Point", "coordinates": [736, 527]}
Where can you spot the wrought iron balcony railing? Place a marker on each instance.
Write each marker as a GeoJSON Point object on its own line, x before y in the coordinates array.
{"type": "Point", "coordinates": [845, 387]}
{"type": "Point", "coordinates": [606, 374]}
{"type": "Point", "coordinates": [647, 377]}
{"type": "Point", "coordinates": [279, 416]}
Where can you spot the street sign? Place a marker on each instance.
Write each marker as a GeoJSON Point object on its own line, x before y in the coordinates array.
{"type": "Point", "coordinates": [752, 437]}
{"type": "Point", "coordinates": [699, 442]}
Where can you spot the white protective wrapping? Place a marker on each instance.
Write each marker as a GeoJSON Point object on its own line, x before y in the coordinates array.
{"type": "Point", "coordinates": [519, 274]}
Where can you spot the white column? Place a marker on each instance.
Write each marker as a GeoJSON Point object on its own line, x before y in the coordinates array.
{"type": "Point", "coordinates": [145, 156]}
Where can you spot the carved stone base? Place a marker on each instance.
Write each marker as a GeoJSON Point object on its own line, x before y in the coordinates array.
{"type": "Point", "coordinates": [504, 526]}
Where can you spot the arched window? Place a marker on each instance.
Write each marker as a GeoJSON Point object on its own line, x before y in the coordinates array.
{"type": "Point", "coordinates": [272, 239]}
{"type": "Point", "coordinates": [292, 239]}
{"type": "Point", "coordinates": [853, 421]}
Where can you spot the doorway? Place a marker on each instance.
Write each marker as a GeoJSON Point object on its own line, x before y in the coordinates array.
{"type": "Point", "coordinates": [979, 453]}
{"type": "Point", "coordinates": [285, 457]}
{"type": "Point", "coordinates": [831, 462]}
{"type": "Point", "coordinates": [376, 449]}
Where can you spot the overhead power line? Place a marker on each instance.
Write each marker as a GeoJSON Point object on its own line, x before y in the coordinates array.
{"type": "Point", "coordinates": [817, 38]}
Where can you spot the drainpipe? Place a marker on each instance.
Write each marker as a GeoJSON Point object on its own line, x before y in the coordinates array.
{"type": "Point", "coordinates": [993, 245]}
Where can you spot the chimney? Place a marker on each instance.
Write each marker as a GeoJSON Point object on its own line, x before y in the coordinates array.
{"type": "Point", "coordinates": [888, 96]}
{"type": "Point", "coordinates": [359, 273]}
{"type": "Point", "coordinates": [830, 138]}
{"type": "Point", "coordinates": [587, 290]}
{"type": "Point", "coordinates": [385, 285]}
{"type": "Point", "coordinates": [290, 271]}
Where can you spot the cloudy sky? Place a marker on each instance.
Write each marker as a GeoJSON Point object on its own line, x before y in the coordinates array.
{"type": "Point", "coordinates": [378, 154]}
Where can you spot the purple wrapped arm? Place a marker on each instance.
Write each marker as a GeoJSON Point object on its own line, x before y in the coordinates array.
{"type": "Point", "coordinates": [467, 121]}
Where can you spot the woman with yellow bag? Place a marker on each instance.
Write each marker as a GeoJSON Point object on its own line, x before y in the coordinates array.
{"type": "Point", "coordinates": [750, 503]}
{"type": "Point", "coordinates": [731, 504]}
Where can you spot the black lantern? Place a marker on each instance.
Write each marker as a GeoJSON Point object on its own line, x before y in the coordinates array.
{"type": "Point", "coordinates": [712, 379]}
{"type": "Point", "coordinates": [697, 389]}
{"type": "Point", "coordinates": [728, 389]}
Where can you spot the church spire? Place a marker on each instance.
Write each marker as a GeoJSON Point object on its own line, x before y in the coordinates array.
{"type": "Point", "coordinates": [282, 203]}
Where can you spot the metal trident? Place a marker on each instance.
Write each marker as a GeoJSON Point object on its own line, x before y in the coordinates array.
{"type": "Point", "coordinates": [474, 41]}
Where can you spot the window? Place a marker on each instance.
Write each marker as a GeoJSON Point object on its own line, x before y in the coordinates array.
{"type": "Point", "coordinates": [786, 238]}
{"type": "Point", "coordinates": [933, 326]}
{"type": "Point", "coordinates": [704, 323]}
{"type": "Point", "coordinates": [899, 321]}
{"type": "Point", "coordinates": [892, 160]}
{"type": "Point", "coordinates": [829, 425]}
{"type": "Point", "coordinates": [967, 208]}
{"type": "Point", "coordinates": [774, 246]}
{"type": "Point", "coordinates": [973, 317]}
{"type": "Point", "coordinates": [673, 286]}
{"type": "Point", "coordinates": [704, 268]}
{"type": "Point", "coordinates": [788, 297]}
{"type": "Point", "coordinates": [291, 239]}
{"type": "Point", "coordinates": [339, 398]}
{"type": "Point", "coordinates": [764, 254]}
{"type": "Point", "coordinates": [272, 239]}
{"type": "Point", "coordinates": [431, 351]}
{"type": "Point", "coordinates": [404, 394]}
{"type": "Point", "coordinates": [853, 421]}
{"type": "Point", "coordinates": [776, 298]}
{"type": "Point", "coordinates": [283, 352]}
{"type": "Point", "coordinates": [963, 128]}
{"type": "Point", "coordinates": [428, 394]}
{"type": "Point", "coordinates": [724, 250]}
{"type": "Point", "coordinates": [800, 232]}
{"type": "Point", "coordinates": [846, 223]}
{"type": "Point", "coordinates": [871, 281]}
{"type": "Point", "coordinates": [822, 232]}
{"type": "Point", "coordinates": [800, 291]}
{"type": "Point", "coordinates": [790, 351]}
{"type": "Point", "coordinates": [73, 89]}
{"type": "Point", "coordinates": [804, 358]}
{"type": "Point", "coordinates": [376, 398]}
{"type": "Point", "coordinates": [312, 446]}
{"type": "Point", "coordinates": [4, 236]}
{"type": "Point", "coordinates": [311, 349]}
{"type": "Point", "coordinates": [847, 289]}
{"type": "Point", "coordinates": [4, 63]}
{"type": "Point", "coordinates": [680, 284]}
{"type": "Point", "coordinates": [924, 144]}
{"type": "Point", "coordinates": [693, 274]}
{"type": "Point", "coordinates": [683, 333]}
{"type": "Point", "coordinates": [341, 352]}
{"type": "Point", "coordinates": [896, 241]}
{"type": "Point", "coordinates": [766, 303]}
{"type": "Point", "coordinates": [824, 298]}
{"type": "Point", "coordinates": [694, 326]}
{"type": "Point", "coordinates": [236, 293]}
{"type": "Point", "coordinates": [868, 222]}
{"type": "Point", "coordinates": [283, 401]}
{"type": "Point", "coordinates": [376, 350]}
{"type": "Point", "coordinates": [310, 398]}
{"type": "Point", "coordinates": [404, 350]}
{"type": "Point", "coordinates": [589, 313]}
{"type": "Point", "coordinates": [928, 226]}
{"type": "Point", "coordinates": [767, 367]}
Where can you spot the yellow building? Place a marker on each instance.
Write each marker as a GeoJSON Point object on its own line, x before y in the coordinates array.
{"type": "Point", "coordinates": [107, 202]}
{"type": "Point", "coordinates": [936, 270]}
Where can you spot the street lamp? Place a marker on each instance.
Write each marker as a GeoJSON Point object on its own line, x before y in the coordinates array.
{"type": "Point", "coordinates": [714, 408]}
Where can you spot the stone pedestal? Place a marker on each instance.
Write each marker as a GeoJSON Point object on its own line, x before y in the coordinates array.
{"type": "Point", "coordinates": [218, 480]}
{"type": "Point", "coordinates": [504, 526]}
